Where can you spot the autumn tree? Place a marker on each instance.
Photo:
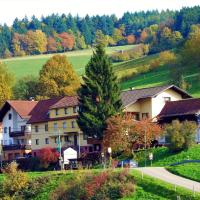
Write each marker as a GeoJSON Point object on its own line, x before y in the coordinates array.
{"type": "Point", "coordinates": [6, 83]}
{"type": "Point", "coordinates": [35, 42]}
{"type": "Point", "coordinates": [80, 41]}
{"type": "Point", "coordinates": [101, 38]}
{"type": "Point", "coordinates": [117, 35]}
{"type": "Point", "coordinates": [47, 156]}
{"type": "Point", "coordinates": [57, 78]}
{"type": "Point", "coordinates": [131, 39]}
{"type": "Point", "coordinates": [143, 36]}
{"type": "Point", "coordinates": [67, 41]}
{"type": "Point", "coordinates": [51, 45]}
{"type": "Point", "coordinates": [123, 133]}
{"type": "Point", "coordinates": [167, 57]}
{"type": "Point", "coordinates": [99, 95]}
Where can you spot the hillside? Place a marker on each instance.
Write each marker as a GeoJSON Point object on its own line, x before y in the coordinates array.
{"type": "Point", "coordinates": [30, 65]}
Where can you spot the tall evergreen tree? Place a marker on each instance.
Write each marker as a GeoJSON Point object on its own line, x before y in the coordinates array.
{"type": "Point", "coordinates": [99, 96]}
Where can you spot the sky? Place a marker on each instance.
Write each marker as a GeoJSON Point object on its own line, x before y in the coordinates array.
{"type": "Point", "coordinates": [10, 9]}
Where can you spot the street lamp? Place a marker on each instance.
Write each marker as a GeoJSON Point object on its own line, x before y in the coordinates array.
{"type": "Point", "coordinates": [102, 157]}
{"type": "Point", "coordinates": [110, 155]}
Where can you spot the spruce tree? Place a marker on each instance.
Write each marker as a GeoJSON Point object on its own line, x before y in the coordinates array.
{"type": "Point", "coordinates": [99, 96]}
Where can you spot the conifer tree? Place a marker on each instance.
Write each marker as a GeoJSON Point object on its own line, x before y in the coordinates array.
{"type": "Point", "coordinates": [99, 96]}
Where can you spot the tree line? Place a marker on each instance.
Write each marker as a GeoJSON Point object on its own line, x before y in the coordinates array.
{"type": "Point", "coordinates": [58, 33]}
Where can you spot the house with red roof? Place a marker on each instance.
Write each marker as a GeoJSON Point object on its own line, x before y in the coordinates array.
{"type": "Point", "coordinates": [16, 132]}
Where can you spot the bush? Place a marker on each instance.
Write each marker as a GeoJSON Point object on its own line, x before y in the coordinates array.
{"type": "Point", "coordinates": [29, 164]}
{"type": "Point", "coordinates": [180, 135]}
{"type": "Point", "coordinates": [107, 185]}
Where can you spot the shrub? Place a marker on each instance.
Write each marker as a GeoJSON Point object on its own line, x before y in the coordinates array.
{"type": "Point", "coordinates": [180, 135]}
{"type": "Point", "coordinates": [29, 164]}
{"type": "Point", "coordinates": [166, 57]}
{"type": "Point", "coordinates": [15, 181]}
{"type": "Point", "coordinates": [107, 185]}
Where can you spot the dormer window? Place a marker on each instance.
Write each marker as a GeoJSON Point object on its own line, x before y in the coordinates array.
{"type": "Point", "coordinates": [56, 111]}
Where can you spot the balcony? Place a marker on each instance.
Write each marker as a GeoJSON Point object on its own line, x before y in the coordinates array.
{"type": "Point", "coordinates": [16, 147]}
{"type": "Point", "coordinates": [24, 130]}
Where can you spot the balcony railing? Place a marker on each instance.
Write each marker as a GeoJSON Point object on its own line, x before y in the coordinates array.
{"type": "Point", "coordinates": [21, 132]}
{"type": "Point", "coordinates": [16, 147]}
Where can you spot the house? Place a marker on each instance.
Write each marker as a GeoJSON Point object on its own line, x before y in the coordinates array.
{"type": "Point", "coordinates": [148, 102]}
{"type": "Point", "coordinates": [187, 109]}
{"type": "Point", "coordinates": [16, 132]}
{"type": "Point", "coordinates": [53, 121]}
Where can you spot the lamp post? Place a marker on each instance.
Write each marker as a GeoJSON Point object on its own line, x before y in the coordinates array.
{"type": "Point", "coordinates": [110, 155]}
{"type": "Point", "coordinates": [102, 157]}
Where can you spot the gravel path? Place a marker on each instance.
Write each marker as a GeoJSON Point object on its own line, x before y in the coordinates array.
{"type": "Point", "coordinates": [163, 174]}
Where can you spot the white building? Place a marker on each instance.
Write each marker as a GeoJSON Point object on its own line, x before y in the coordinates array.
{"type": "Point", "coordinates": [16, 138]}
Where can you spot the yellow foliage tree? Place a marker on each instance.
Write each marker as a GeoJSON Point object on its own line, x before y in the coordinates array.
{"type": "Point", "coordinates": [57, 78]}
{"type": "Point", "coordinates": [6, 81]}
{"type": "Point", "coordinates": [167, 57]}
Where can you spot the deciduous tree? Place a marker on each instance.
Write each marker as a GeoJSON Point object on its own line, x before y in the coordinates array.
{"type": "Point", "coordinates": [57, 78]}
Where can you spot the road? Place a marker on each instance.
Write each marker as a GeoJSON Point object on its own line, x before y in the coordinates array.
{"type": "Point", "coordinates": [163, 174]}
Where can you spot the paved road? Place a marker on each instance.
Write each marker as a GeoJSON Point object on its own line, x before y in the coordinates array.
{"type": "Point", "coordinates": [163, 174]}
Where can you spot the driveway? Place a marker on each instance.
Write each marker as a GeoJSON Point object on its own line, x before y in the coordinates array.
{"type": "Point", "coordinates": [163, 174]}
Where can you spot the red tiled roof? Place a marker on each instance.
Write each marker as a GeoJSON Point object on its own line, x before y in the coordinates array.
{"type": "Point", "coordinates": [182, 107]}
{"type": "Point", "coordinates": [131, 96]}
{"type": "Point", "coordinates": [66, 101]}
{"type": "Point", "coordinates": [23, 108]}
{"type": "Point", "coordinates": [40, 112]}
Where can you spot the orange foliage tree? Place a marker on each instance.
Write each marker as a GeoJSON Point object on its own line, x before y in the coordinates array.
{"type": "Point", "coordinates": [67, 41]}
{"type": "Point", "coordinates": [123, 133]}
{"type": "Point", "coordinates": [131, 39]}
{"type": "Point", "coordinates": [47, 156]}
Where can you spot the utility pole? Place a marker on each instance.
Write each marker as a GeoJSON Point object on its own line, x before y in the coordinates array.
{"type": "Point", "coordinates": [59, 146]}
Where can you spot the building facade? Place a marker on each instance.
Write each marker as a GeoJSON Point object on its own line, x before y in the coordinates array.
{"type": "Point", "coordinates": [53, 124]}
{"type": "Point", "coordinates": [16, 132]}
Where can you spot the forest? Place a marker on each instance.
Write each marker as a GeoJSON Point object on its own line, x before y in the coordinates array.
{"type": "Point", "coordinates": [59, 33]}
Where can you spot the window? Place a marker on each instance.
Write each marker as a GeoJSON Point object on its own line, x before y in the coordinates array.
{"type": "Point", "coordinates": [55, 126]}
{"type": "Point", "coordinates": [66, 138]}
{"type": "Point", "coordinates": [9, 129]}
{"type": "Point", "coordinates": [137, 116]}
{"type": "Point", "coordinates": [37, 141]}
{"type": "Point", "coordinates": [23, 128]}
{"type": "Point", "coordinates": [5, 129]}
{"type": "Point", "coordinates": [166, 99]}
{"type": "Point", "coordinates": [66, 111]}
{"type": "Point", "coordinates": [46, 140]}
{"type": "Point", "coordinates": [36, 129]}
{"type": "Point", "coordinates": [56, 111]}
{"type": "Point", "coordinates": [84, 136]}
{"type": "Point", "coordinates": [75, 109]}
{"type": "Point", "coordinates": [145, 115]}
{"type": "Point", "coordinates": [73, 124]}
{"type": "Point", "coordinates": [64, 125]}
{"type": "Point", "coordinates": [46, 127]}
{"type": "Point", "coordinates": [9, 116]}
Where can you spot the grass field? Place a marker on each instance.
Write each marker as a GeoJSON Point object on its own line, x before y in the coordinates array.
{"type": "Point", "coordinates": [189, 170]}
{"type": "Point", "coordinates": [31, 65]}
{"type": "Point", "coordinates": [163, 157]}
{"type": "Point", "coordinates": [146, 187]}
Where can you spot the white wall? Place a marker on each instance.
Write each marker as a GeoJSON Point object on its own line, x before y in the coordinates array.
{"type": "Point", "coordinates": [15, 123]}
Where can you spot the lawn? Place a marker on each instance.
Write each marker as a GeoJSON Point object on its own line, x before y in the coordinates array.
{"type": "Point", "coordinates": [163, 157]}
{"type": "Point", "coordinates": [31, 65]}
{"type": "Point", "coordinates": [189, 170]}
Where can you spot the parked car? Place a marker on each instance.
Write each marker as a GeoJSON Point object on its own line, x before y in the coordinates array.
{"type": "Point", "coordinates": [128, 163]}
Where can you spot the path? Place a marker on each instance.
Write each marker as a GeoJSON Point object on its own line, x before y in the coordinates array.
{"type": "Point", "coordinates": [163, 174]}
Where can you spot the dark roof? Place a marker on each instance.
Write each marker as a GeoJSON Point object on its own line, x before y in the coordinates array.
{"type": "Point", "coordinates": [66, 101]}
{"type": "Point", "coordinates": [181, 107]}
{"type": "Point", "coordinates": [131, 96]}
{"type": "Point", "coordinates": [23, 108]}
{"type": "Point", "coordinates": [40, 112]}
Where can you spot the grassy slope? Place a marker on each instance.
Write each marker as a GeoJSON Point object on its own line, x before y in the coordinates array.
{"type": "Point", "coordinates": [30, 65]}
{"type": "Point", "coordinates": [189, 170]}
{"type": "Point", "coordinates": [162, 157]}
{"type": "Point", "coordinates": [159, 76]}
